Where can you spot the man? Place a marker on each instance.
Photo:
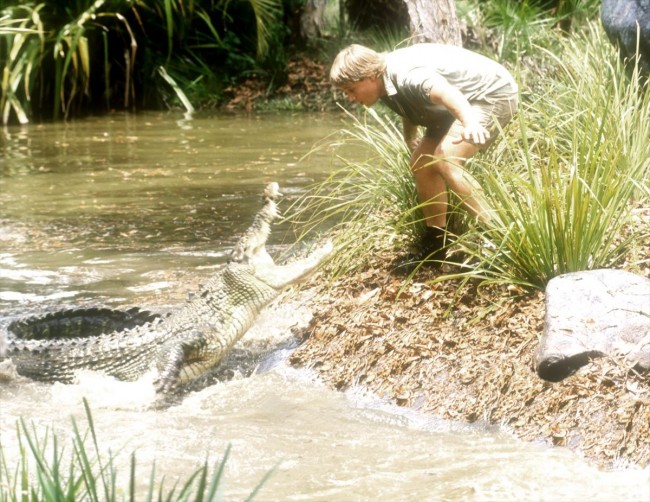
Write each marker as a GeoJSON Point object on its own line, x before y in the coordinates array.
{"type": "Point", "coordinates": [460, 97]}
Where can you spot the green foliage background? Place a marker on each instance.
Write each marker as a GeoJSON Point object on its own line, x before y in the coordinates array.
{"type": "Point", "coordinates": [61, 59]}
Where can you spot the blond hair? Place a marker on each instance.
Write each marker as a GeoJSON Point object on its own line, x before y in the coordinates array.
{"type": "Point", "coordinates": [355, 63]}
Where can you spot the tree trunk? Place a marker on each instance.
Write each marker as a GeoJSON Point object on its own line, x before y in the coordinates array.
{"type": "Point", "coordinates": [434, 21]}
{"type": "Point", "coordinates": [312, 19]}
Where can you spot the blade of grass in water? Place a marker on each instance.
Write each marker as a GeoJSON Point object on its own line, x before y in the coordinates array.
{"type": "Point", "coordinates": [88, 476]}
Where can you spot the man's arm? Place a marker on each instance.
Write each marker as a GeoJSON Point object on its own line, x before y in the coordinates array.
{"type": "Point", "coordinates": [410, 134]}
{"type": "Point", "coordinates": [445, 94]}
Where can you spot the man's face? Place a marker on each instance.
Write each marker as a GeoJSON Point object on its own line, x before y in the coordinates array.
{"type": "Point", "coordinates": [366, 91]}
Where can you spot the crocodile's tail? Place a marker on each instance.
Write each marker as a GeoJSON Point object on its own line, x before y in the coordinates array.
{"type": "Point", "coordinates": [78, 323]}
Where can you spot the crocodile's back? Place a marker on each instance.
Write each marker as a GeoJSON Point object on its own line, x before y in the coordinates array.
{"type": "Point", "coordinates": [78, 323]}
{"type": "Point", "coordinates": [212, 322]}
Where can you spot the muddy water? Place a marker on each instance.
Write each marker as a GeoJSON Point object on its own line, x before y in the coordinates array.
{"type": "Point", "coordinates": [139, 209]}
{"type": "Point", "coordinates": [111, 203]}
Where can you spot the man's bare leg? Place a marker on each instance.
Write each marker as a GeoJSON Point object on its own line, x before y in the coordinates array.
{"type": "Point", "coordinates": [457, 179]}
{"type": "Point", "coordinates": [429, 183]}
{"type": "Point", "coordinates": [432, 190]}
{"type": "Point", "coordinates": [436, 168]}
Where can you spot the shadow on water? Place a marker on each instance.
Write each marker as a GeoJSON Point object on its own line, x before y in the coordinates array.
{"type": "Point", "coordinates": [138, 210]}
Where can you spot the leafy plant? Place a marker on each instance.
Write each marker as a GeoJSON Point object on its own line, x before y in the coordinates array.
{"type": "Point", "coordinates": [508, 29]}
{"type": "Point", "coordinates": [61, 59]}
{"type": "Point", "coordinates": [71, 51]}
{"type": "Point", "coordinates": [564, 190]}
{"type": "Point", "coordinates": [21, 46]}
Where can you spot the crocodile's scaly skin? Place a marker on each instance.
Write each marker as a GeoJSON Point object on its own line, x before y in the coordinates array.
{"type": "Point", "coordinates": [182, 345]}
{"type": "Point", "coordinates": [77, 323]}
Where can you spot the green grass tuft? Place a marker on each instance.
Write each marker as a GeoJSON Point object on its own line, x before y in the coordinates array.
{"type": "Point", "coordinates": [47, 473]}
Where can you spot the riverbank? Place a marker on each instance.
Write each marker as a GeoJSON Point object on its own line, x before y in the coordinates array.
{"type": "Point", "coordinates": [469, 358]}
{"type": "Point", "coordinates": [468, 355]}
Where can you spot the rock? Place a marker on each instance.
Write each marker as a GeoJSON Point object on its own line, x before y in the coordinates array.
{"type": "Point", "coordinates": [620, 18]}
{"type": "Point", "coordinates": [592, 314]}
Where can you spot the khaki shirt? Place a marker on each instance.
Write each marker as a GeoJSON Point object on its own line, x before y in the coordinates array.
{"type": "Point", "coordinates": [408, 73]}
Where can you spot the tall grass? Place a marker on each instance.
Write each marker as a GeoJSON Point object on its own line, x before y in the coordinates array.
{"type": "Point", "coordinates": [49, 63]}
{"type": "Point", "coordinates": [43, 475]}
{"type": "Point", "coordinates": [513, 29]}
{"type": "Point", "coordinates": [370, 204]}
{"type": "Point", "coordinates": [564, 189]}
{"type": "Point", "coordinates": [23, 33]}
{"type": "Point", "coordinates": [562, 180]}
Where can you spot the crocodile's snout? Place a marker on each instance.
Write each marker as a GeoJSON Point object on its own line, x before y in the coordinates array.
{"type": "Point", "coordinates": [272, 191]}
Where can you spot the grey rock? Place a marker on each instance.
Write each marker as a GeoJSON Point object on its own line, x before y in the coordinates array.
{"type": "Point", "coordinates": [592, 314]}
{"type": "Point", "coordinates": [620, 19]}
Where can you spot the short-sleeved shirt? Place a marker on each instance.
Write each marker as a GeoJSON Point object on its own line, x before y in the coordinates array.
{"type": "Point", "coordinates": [408, 74]}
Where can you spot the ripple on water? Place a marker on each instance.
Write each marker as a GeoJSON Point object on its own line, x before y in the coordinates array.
{"type": "Point", "coordinates": [18, 297]}
{"type": "Point", "coordinates": [28, 276]}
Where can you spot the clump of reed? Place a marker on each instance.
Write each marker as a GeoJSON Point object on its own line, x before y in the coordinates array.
{"type": "Point", "coordinates": [565, 181]}
{"type": "Point", "coordinates": [61, 59]}
{"type": "Point", "coordinates": [42, 473]}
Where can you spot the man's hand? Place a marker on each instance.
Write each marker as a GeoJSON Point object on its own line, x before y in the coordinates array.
{"type": "Point", "coordinates": [443, 93]}
{"type": "Point", "coordinates": [474, 133]}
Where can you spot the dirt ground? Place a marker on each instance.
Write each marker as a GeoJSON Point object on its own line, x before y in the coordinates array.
{"type": "Point", "coordinates": [471, 360]}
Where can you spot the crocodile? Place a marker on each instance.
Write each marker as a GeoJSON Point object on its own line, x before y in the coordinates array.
{"type": "Point", "coordinates": [179, 346]}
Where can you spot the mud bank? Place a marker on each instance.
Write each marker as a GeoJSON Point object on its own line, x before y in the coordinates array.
{"type": "Point", "coordinates": [468, 356]}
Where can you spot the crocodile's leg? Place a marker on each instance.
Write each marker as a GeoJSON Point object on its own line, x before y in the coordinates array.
{"type": "Point", "coordinates": [178, 355]}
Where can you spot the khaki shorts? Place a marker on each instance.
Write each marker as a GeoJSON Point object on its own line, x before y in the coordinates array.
{"type": "Point", "coordinates": [493, 116]}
